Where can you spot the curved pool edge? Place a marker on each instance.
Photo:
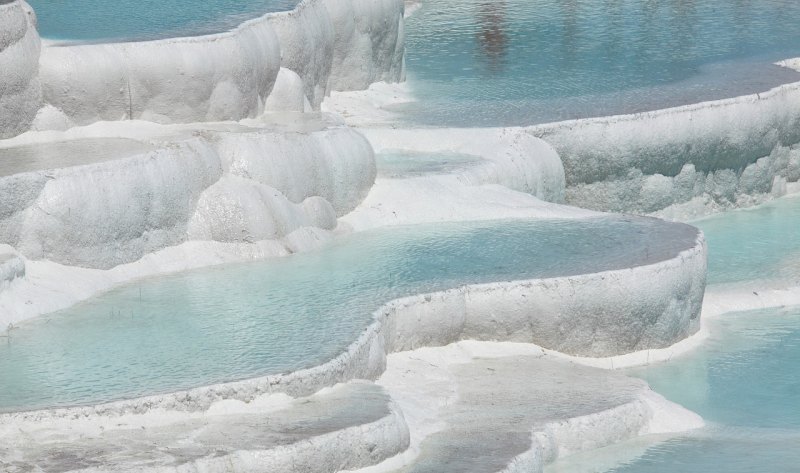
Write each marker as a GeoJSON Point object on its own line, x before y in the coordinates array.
{"type": "Point", "coordinates": [725, 298]}
{"type": "Point", "coordinates": [677, 162]}
{"type": "Point", "coordinates": [280, 61]}
{"type": "Point", "coordinates": [683, 161]}
{"type": "Point", "coordinates": [610, 305]}
{"type": "Point", "coordinates": [433, 385]}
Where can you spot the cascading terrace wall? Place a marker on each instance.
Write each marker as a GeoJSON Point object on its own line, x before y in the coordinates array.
{"type": "Point", "coordinates": [726, 153]}
{"type": "Point", "coordinates": [224, 186]}
{"type": "Point", "coordinates": [20, 92]}
{"type": "Point", "coordinates": [286, 60]}
{"type": "Point", "coordinates": [596, 315]}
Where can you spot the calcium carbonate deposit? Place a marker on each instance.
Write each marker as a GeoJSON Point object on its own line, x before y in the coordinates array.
{"type": "Point", "coordinates": [399, 236]}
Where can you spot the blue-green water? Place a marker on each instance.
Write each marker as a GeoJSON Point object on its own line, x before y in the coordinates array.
{"type": "Point", "coordinates": [745, 382]}
{"type": "Point", "coordinates": [518, 62]}
{"type": "Point", "coordinates": [241, 321]}
{"type": "Point", "coordinates": [745, 379]}
{"type": "Point", "coordinates": [97, 20]}
{"type": "Point", "coordinates": [760, 243]}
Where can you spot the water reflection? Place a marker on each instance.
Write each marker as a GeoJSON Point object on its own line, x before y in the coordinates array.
{"type": "Point", "coordinates": [492, 36]}
{"type": "Point", "coordinates": [519, 62]}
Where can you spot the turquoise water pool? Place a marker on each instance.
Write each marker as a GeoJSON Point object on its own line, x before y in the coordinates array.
{"type": "Point", "coordinates": [98, 20]}
{"type": "Point", "coordinates": [241, 321]}
{"type": "Point", "coordinates": [519, 62]}
{"type": "Point", "coordinates": [760, 243]}
{"type": "Point", "coordinates": [744, 381]}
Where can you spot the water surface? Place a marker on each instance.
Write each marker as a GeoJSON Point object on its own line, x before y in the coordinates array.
{"type": "Point", "coordinates": [744, 381]}
{"type": "Point", "coordinates": [134, 20]}
{"type": "Point", "coordinates": [759, 243]}
{"type": "Point", "coordinates": [519, 62]}
{"type": "Point", "coordinates": [239, 321]}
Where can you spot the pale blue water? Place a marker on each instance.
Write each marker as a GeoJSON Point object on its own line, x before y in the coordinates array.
{"type": "Point", "coordinates": [98, 20]}
{"type": "Point", "coordinates": [745, 379]}
{"type": "Point", "coordinates": [745, 382]}
{"type": "Point", "coordinates": [242, 321]}
{"type": "Point", "coordinates": [757, 243]}
{"type": "Point", "coordinates": [518, 62]}
{"type": "Point", "coordinates": [404, 164]}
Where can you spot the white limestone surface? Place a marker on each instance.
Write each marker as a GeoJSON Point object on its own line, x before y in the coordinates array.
{"type": "Point", "coordinates": [514, 160]}
{"type": "Point", "coordinates": [754, 295]}
{"type": "Point", "coordinates": [477, 406]}
{"type": "Point", "coordinates": [347, 426]}
{"type": "Point", "coordinates": [341, 44]}
{"type": "Point", "coordinates": [20, 93]}
{"type": "Point", "coordinates": [369, 107]}
{"type": "Point", "coordinates": [230, 184]}
{"type": "Point", "coordinates": [678, 163]}
{"type": "Point", "coordinates": [206, 78]}
{"type": "Point", "coordinates": [12, 267]}
{"type": "Point", "coordinates": [513, 176]}
{"type": "Point", "coordinates": [322, 45]}
{"type": "Point", "coordinates": [711, 155]}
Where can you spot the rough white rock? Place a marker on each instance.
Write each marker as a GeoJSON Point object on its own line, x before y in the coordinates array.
{"type": "Point", "coordinates": [230, 76]}
{"type": "Point", "coordinates": [514, 159]}
{"type": "Point", "coordinates": [724, 151]}
{"type": "Point", "coordinates": [12, 267]}
{"type": "Point", "coordinates": [468, 408]}
{"type": "Point", "coordinates": [240, 210]}
{"type": "Point", "coordinates": [206, 78]}
{"type": "Point", "coordinates": [20, 92]}
{"type": "Point", "coordinates": [513, 175]}
{"type": "Point", "coordinates": [287, 94]}
{"type": "Point", "coordinates": [341, 44]}
{"type": "Point", "coordinates": [231, 184]}
{"type": "Point", "coordinates": [348, 426]}
{"type": "Point", "coordinates": [336, 164]}
{"type": "Point", "coordinates": [104, 214]}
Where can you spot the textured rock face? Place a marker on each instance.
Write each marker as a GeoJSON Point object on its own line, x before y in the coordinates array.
{"type": "Point", "coordinates": [219, 77]}
{"type": "Point", "coordinates": [20, 93]}
{"type": "Point", "coordinates": [342, 44]}
{"type": "Point", "coordinates": [724, 152]}
{"type": "Point", "coordinates": [321, 45]}
{"type": "Point", "coordinates": [242, 186]}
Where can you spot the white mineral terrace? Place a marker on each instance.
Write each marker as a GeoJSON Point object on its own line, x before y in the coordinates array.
{"type": "Point", "coordinates": [125, 162]}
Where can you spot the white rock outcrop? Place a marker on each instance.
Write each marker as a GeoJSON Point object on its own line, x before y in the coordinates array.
{"type": "Point", "coordinates": [243, 185]}
{"type": "Point", "coordinates": [20, 92]}
{"type": "Point", "coordinates": [725, 153]}
{"type": "Point", "coordinates": [281, 61]}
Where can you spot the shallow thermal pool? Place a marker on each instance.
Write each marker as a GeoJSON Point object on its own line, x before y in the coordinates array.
{"type": "Point", "coordinates": [239, 321]}
{"type": "Point", "coordinates": [759, 243]}
{"type": "Point", "coordinates": [97, 20]}
{"type": "Point", "coordinates": [745, 383]}
{"type": "Point", "coordinates": [519, 62]}
{"type": "Point", "coordinates": [744, 379]}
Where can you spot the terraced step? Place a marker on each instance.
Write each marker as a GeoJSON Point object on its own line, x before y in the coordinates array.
{"type": "Point", "coordinates": [348, 426]}
{"type": "Point", "coordinates": [488, 407]}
